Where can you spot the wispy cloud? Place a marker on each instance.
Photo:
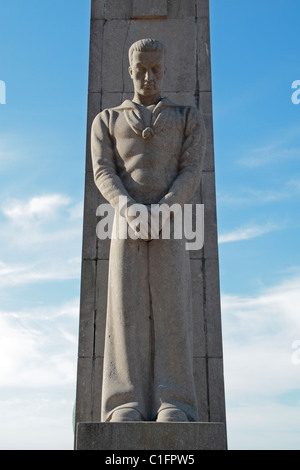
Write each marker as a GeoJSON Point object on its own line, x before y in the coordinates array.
{"type": "Point", "coordinates": [36, 420]}
{"type": "Point", "coordinates": [38, 361]}
{"type": "Point", "coordinates": [261, 379]}
{"type": "Point", "coordinates": [36, 209]}
{"type": "Point", "coordinates": [18, 147]}
{"type": "Point", "coordinates": [38, 346]}
{"type": "Point", "coordinates": [43, 237]}
{"type": "Point", "coordinates": [277, 149]}
{"type": "Point", "coordinates": [269, 154]}
{"type": "Point", "coordinates": [264, 426]}
{"type": "Point", "coordinates": [40, 271]}
{"type": "Point", "coordinates": [248, 232]}
{"type": "Point", "coordinates": [258, 197]}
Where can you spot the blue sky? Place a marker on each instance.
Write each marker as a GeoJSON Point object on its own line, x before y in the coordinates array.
{"type": "Point", "coordinates": [44, 65]}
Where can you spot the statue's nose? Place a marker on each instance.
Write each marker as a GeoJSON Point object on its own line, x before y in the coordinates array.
{"type": "Point", "coordinates": [148, 76]}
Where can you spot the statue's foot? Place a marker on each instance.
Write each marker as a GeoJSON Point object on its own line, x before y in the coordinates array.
{"type": "Point", "coordinates": [168, 415]}
{"type": "Point", "coordinates": [126, 414]}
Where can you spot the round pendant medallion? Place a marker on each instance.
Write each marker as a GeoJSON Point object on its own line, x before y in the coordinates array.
{"type": "Point", "coordinates": [148, 133]}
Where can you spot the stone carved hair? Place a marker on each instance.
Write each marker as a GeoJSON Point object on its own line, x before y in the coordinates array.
{"type": "Point", "coordinates": [146, 45]}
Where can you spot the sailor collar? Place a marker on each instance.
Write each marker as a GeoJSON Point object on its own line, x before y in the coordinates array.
{"type": "Point", "coordinates": [134, 119]}
{"type": "Point", "coordinates": [163, 103]}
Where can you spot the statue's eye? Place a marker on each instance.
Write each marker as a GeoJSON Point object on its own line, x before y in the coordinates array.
{"type": "Point", "coordinates": [156, 69]}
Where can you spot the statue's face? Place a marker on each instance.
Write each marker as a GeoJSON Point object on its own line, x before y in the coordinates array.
{"type": "Point", "coordinates": [147, 71]}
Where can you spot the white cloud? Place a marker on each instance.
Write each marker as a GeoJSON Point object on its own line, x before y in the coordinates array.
{"type": "Point", "coordinates": [262, 381]}
{"type": "Point", "coordinates": [247, 232]}
{"type": "Point", "coordinates": [267, 426]}
{"type": "Point", "coordinates": [258, 197]}
{"type": "Point", "coordinates": [38, 361]}
{"type": "Point", "coordinates": [267, 155]}
{"type": "Point", "coordinates": [49, 269]}
{"type": "Point", "coordinates": [76, 212]}
{"type": "Point", "coordinates": [9, 150]}
{"type": "Point", "coordinates": [36, 209]}
{"type": "Point", "coordinates": [41, 421]}
{"type": "Point", "coordinates": [38, 347]}
{"type": "Point", "coordinates": [275, 150]}
{"type": "Point", "coordinates": [40, 240]}
{"type": "Point", "coordinates": [294, 185]}
{"type": "Point", "coordinates": [250, 197]}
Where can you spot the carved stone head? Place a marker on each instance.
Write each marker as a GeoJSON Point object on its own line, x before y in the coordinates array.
{"type": "Point", "coordinates": [147, 66]}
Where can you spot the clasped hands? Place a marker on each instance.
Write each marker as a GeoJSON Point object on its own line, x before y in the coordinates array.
{"type": "Point", "coordinates": [146, 221]}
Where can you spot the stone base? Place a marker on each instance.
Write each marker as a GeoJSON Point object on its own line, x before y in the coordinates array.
{"type": "Point", "coordinates": [150, 436]}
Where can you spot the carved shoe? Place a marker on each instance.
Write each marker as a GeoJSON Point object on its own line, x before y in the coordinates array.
{"type": "Point", "coordinates": [126, 414]}
{"type": "Point", "coordinates": [168, 415]}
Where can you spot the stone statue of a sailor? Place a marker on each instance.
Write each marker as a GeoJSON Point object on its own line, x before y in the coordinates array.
{"type": "Point", "coordinates": [148, 152]}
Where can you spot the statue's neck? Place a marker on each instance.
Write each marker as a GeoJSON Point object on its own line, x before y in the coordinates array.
{"type": "Point", "coordinates": [146, 100]}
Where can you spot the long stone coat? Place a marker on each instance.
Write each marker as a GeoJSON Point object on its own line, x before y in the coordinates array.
{"type": "Point", "coordinates": [148, 360]}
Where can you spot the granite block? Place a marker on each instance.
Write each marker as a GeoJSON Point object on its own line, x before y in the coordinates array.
{"type": "Point", "coordinates": [115, 76]}
{"type": "Point", "coordinates": [91, 200]}
{"type": "Point", "coordinates": [212, 308]}
{"type": "Point", "coordinates": [94, 107]}
{"type": "Point", "coordinates": [101, 301]}
{"type": "Point", "coordinates": [181, 9]}
{"type": "Point", "coordinates": [116, 9]}
{"type": "Point", "coordinates": [97, 9]}
{"type": "Point", "coordinates": [84, 405]}
{"type": "Point", "coordinates": [210, 215]}
{"type": "Point", "coordinates": [200, 378]}
{"type": "Point", "coordinates": [203, 51]}
{"type": "Point", "coordinates": [151, 436]}
{"type": "Point", "coordinates": [199, 340]}
{"type": "Point", "coordinates": [96, 35]}
{"type": "Point", "coordinates": [216, 390]}
{"type": "Point", "coordinates": [87, 309]}
{"type": "Point", "coordinates": [202, 8]}
{"type": "Point", "coordinates": [209, 160]}
{"type": "Point", "coordinates": [150, 9]}
{"type": "Point", "coordinates": [97, 388]}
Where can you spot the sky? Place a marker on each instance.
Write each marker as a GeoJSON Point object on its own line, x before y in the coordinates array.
{"type": "Point", "coordinates": [44, 46]}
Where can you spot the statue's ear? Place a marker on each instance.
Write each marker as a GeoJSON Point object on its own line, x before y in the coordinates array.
{"type": "Point", "coordinates": [130, 71]}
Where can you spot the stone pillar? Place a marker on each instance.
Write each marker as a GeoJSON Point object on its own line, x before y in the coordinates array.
{"type": "Point", "coordinates": [184, 28]}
